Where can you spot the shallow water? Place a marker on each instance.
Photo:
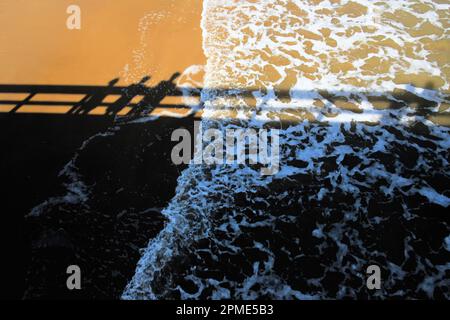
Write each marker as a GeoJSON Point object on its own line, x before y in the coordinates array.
{"type": "Point", "coordinates": [359, 90]}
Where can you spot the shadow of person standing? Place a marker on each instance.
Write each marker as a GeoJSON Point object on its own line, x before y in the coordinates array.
{"type": "Point", "coordinates": [425, 107]}
{"type": "Point", "coordinates": [128, 94]}
{"type": "Point", "coordinates": [153, 96]}
{"type": "Point", "coordinates": [92, 101]}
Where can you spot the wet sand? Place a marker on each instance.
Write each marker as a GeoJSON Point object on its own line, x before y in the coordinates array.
{"type": "Point", "coordinates": [118, 39]}
{"type": "Point", "coordinates": [344, 47]}
{"type": "Point", "coordinates": [150, 37]}
{"type": "Point", "coordinates": [173, 53]}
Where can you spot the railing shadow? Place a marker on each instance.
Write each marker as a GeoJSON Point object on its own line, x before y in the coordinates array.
{"type": "Point", "coordinates": [69, 129]}
{"type": "Point", "coordinates": [150, 98]}
{"type": "Point", "coordinates": [94, 96]}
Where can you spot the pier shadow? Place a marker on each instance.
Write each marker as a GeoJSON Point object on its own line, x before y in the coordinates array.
{"type": "Point", "coordinates": [92, 101]}
{"type": "Point", "coordinates": [149, 98]}
{"type": "Point", "coordinates": [36, 148]}
{"type": "Point", "coordinates": [38, 145]}
{"type": "Point", "coordinates": [93, 97]}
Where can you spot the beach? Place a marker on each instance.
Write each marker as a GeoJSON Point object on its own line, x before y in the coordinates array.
{"type": "Point", "coordinates": [357, 96]}
{"type": "Point", "coordinates": [40, 139]}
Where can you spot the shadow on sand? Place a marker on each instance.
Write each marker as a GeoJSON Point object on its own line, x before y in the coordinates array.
{"type": "Point", "coordinates": [37, 146]}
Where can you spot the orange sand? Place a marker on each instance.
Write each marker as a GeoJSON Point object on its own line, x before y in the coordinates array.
{"type": "Point", "coordinates": [37, 48]}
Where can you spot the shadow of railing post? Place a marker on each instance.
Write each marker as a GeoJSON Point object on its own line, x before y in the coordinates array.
{"type": "Point", "coordinates": [95, 96]}
{"type": "Point", "coordinates": [21, 103]}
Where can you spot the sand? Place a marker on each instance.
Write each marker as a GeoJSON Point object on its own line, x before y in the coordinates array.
{"type": "Point", "coordinates": [126, 39]}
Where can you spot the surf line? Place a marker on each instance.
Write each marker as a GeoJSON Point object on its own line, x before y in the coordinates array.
{"type": "Point", "coordinates": [213, 146]}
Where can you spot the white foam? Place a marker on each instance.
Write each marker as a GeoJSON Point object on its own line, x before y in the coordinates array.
{"type": "Point", "coordinates": [235, 53]}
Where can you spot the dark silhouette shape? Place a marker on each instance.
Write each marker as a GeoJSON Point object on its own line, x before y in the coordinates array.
{"type": "Point", "coordinates": [424, 106]}
{"type": "Point", "coordinates": [25, 101]}
{"type": "Point", "coordinates": [153, 96]}
{"type": "Point", "coordinates": [94, 96]}
{"type": "Point", "coordinates": [89, 103]}
{"type": "Point", "coordinates": [128, 94]}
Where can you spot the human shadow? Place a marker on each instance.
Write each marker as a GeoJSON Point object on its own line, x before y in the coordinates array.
{"type": "Point", "coordinates": [153, 97]}
{"type": "Point", "coordinates": [119, 171]}
{"type": "Point", "coordinates": [94, 96]}
{"type": "Point", "coordinates": [424, 107]}
{"type": "Point", "coordinates": [409, 100]}
{"type": "Point", "coordinates": [90, 102]}
{"type": "Point", "coordinates": [128, 94]}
